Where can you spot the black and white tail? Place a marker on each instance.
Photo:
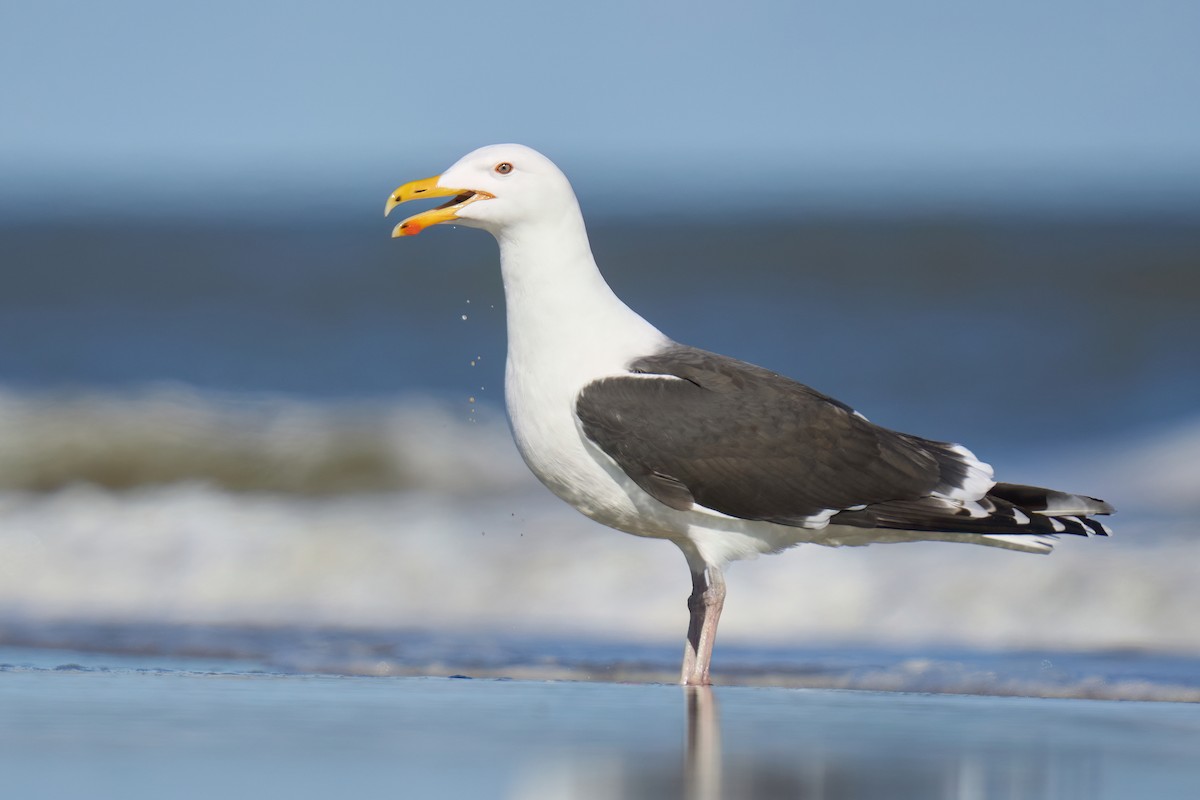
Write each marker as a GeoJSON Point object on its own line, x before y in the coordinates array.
{"type": "Point", "coordinates": [1009, 515]}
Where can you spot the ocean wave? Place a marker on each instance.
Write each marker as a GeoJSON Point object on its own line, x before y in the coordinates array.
{"type": "Point", "coordinates": [173, 505]}
{"type": "Point", "coordinates": [523, 561]}
{"type": "Point", "coordinates": [242, 442]}
{"type": "Point", "coordinates": [250, 443]}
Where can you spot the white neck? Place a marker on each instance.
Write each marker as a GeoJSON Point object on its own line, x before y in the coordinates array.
{"type": "Point", "coordinates": [566, 329]}
{"type": "Point", "coordinates": [562, 315]}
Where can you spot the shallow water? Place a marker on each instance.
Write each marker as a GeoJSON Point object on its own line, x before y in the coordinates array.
{"type": "Point", "coordinates": [211, 731]}
{"type": "Point", "coordinates": [415, 652]}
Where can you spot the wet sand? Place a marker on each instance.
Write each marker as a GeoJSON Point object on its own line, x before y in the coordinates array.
{"type": "Point", "coordinates": [133, 727]}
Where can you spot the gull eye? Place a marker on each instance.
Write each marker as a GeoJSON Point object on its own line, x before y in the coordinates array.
{"type": "Point", "coordinates": [503, 168]}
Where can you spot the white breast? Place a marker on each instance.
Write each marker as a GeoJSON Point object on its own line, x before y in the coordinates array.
{"type": "Point", "coordinates": [543, 377]}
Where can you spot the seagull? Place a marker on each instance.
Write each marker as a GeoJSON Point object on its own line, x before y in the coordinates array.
{"type": "Point", "coordinates": [725, 459]}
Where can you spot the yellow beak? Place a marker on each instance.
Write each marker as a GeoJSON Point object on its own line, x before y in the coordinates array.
{"type": "Point", "coordinates": [428, 187]}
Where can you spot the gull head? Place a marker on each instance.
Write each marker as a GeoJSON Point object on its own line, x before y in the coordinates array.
{"type": "Point", "coordinates": [497, 188]}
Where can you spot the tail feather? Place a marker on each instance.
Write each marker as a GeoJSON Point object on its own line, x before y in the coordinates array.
{"type": "Point", "coordinates": [1006, 513]}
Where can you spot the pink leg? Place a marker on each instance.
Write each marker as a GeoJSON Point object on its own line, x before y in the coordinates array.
{"type": "Point", "coordinates": [705, 603]}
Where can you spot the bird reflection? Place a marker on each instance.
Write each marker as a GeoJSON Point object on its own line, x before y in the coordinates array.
{"type": "Point", "coordinates": [818, 765]}
{"type": "Point", "coordinates": [702, 748]}
{"type": "Point", "coordinates": [826, 746]}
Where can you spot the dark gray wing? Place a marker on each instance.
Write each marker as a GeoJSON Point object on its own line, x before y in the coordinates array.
{"type": "Point", "coordinates": [749, 443]}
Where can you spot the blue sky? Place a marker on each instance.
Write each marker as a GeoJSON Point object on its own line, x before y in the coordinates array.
{"type": "Point", "coordinates": [224, 96]}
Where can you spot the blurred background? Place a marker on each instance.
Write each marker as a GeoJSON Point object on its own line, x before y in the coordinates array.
{"type": "Point", "coordinates": [228, 399]}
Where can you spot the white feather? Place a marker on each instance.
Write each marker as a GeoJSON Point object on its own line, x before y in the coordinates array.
{"type": "Point", "coordinates": [978, 480]}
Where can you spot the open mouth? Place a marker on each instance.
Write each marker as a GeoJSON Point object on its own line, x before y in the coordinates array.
{"type": "Point", "coordinates": [446, 212]}
{"type": "Point", "coordinates": [466, 198]}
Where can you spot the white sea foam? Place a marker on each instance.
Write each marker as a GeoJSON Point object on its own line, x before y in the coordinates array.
{"type": "Point", "coordinates": [460, 536]}
{"type": "Point", "coordinates": [524, 562]}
